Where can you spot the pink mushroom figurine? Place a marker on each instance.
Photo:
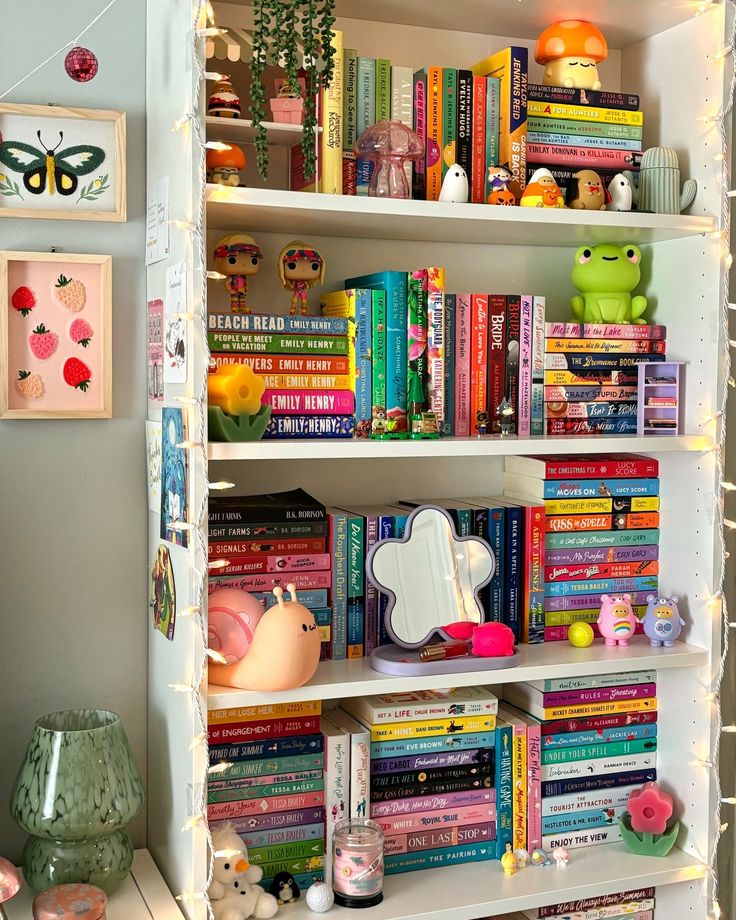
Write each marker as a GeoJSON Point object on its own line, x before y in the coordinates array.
{"type": "Point", "coordinates": [10, 884]}
{"type": "Point", "coordinates": [561, 857]}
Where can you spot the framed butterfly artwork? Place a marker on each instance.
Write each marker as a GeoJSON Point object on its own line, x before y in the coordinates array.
{"type": "Point", "coordinates": [67, 164]}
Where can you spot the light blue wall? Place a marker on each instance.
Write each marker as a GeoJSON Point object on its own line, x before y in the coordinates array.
{"type": "Point", "coordinates": [73, 519]}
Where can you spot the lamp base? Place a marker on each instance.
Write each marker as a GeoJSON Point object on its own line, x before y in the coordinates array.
{"type": "Point", "coordinates": [102, 861]}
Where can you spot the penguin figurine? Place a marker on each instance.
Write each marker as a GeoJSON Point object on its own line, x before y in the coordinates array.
{"type": "Point", "coordinates": [454, 185]}
{"type": "Point", "coordinates": [284, 888]}
{"type": "Point", "coordinates": [619, 189]}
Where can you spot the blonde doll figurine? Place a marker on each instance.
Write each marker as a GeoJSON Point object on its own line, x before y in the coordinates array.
{"type": "Point", "coordinates": [238, 257]}
{"type": "Point", "coordinates": [299, 270]}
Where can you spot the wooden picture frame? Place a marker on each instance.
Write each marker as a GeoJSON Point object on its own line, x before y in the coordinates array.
{"type": "Point", "coordinates": [37, 181]}
{"type": "Point", "coordinates": [56, 335]}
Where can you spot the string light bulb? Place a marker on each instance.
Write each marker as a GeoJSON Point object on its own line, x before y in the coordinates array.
{"type": "Point", "coordinates": [211, 32]}
{"type": "Point", "coordinates": [216, 656]}
{"type": "Point", "coordinates": [217, 768]}
{"type": "Point", "coordinates": [216, 77]}
{"type": "Point", "coordinates": [218, 145]}
{"type": "Point", "coordinates": [192, 822]}
{"type": "Point", "coordinates": [219, 564]}
{"type": "Point", "coordinates": [197, 740]}
{"type": "Point", "coordinates": [180, 123]}
{"type": "Point", "coordinates": [723, 53]}
{"type": "Point", "coordinates": [218, 276]}
{"type": "Point", "coordinates": [224, 484]}
{"type": "Point", "coordinates": [189, 897]}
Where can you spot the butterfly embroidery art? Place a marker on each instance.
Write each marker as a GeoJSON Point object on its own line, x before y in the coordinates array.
{"type": "Point", "coordinates": [50, 170]}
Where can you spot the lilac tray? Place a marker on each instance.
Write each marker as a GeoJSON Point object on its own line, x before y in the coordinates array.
{"type": "Point", "coordinates": [392, 659]}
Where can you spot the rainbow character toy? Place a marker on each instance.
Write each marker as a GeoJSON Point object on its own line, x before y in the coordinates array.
{"type": "Point", "coordinates": [616, 622]}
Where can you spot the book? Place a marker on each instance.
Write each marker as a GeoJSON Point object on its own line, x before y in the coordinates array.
{"type": "Point", "coordinates": [244, 565]}
{"type": "Point", "coordinates": [402, 104]}
{"type": "Point", "coordinates": [356, 579]}
{"type": "Point", "coordinates": [310, 426]}
{"type": "Point", "coordinates": [436, 743]}
{"type": "Point", "coordinates": [598, 363]}
{"type": "Point", "coordinates": [605, 900]}
{"type": "Point", "coordinates": [585, 378]}
{"type": "Point", "coordinates": [253, 769]}
{"type": "Point", "coordinates": [477, 175]}
{"type": "Point", "coordinates": [479, 421]}
{"type": "Point", "coordinates": [379, 795]}
{"type": "Point", "coordinates": [229, 810]}
{"type": "Point", "coordinates": [425, 859]}
{"type": "Point", "coordinates": [417, 320]}
{"type": "Point", "coordinates": [496, 356]}
{"type": "Point", "coordinates": [513, 333]}
{"type": "Point", "coordinates": [533, 571]}
{"type": "Point", "coordinates": [434, 802]}
{"type": "Point", "coordinates": [568, 617]}
{"type": "Point", "coordinates": [288, 325]}
{"type": "Point", "coordinates": [598, 766]}
{"type": "Point", "coordinates": [582, 602]}
{"type": "Point", "coordinates": [555, 573]}
{"type": "Point", "coordinates": [599, 722]}
{"type": "Point", "coordinates": [427, 728]}
{"type": "Point", "coordinates": [303, 581]}
{"type": "Point", "coordinates": [463, 325]}
{"type": "Point", "coordinates": [588, 426]}
{"type": "Point", "coordinates": [422, 704]}
{"type": "Point", "coordinates": [378, 358]}
{"type": "Point", "coordinates": [493, 118]}
{"type": "Point", "coordinates": [604, 346]}
{"type": "Point", "coordinates": [609, 143]}
{"type": "Point", "coordinates": [504, 785]}
{"type": "Point", "coordinates": [275, 820]}
{"type": "Point", "coordinates": [609, 466]}
{"type": "Point", "coordinates": [449, 118]}
{"type": "Point", "coordinates": [337, 781]}
{"type": "Point", "coordinates": [339, 588]}
{"type": "Point", "coordinates": [586, 801]}
{"type": "Point", "coordinates": [464, 127]}
{"type": "Point", "coordinates": [359, 762]}
{"type": "Point", "coordinates": [434, 839]}
{"type": "Point", "coordinates": [583, 157]}
{"type": "Point", "coordinates": [533, 487]}
{"type": "Point", "coordinates": [610, 585]}
{"type": "Point", "coordinates": [420, 821]}
{"type": "Point", "coordinates": [477, 771]}
{"type": "Point", "coordinates": [419, 173]}
{"type": "Point", "coordinates": [437, 760]}
{"type": "Point", "coordinates": [589, 504]}
{"type": "Point", "coordinates": [266, 530]}
{"type": "Point", "coordinates": [241, 791]}
{"type": "Point", "coordinates": [572, 96]}
{"type": "Point", "coordinates": [586, 113]}
{"type": "Point", "coordinates": [433, 156]}
{"type": "Point", "coordinates": [448, 424]}
{"type": "Point", "coordinates": [349, 89]}
{"type": "Point", "coordinates": [537, 384]}
{"type": "Point", "coordinates": [293, 506]}
{"type": "Point", "coordinates": [534, 761]}
{"type": "Point", "coordinates": [510, 66]}
{"type": "Point", "coordinates": [598, 783]}
{"type": "Point", "coordinates": [580, 696]}
{"type": "Point", "coordinates": [283, 835]}
{"type": "Point", "coordinates": [524, 410]}
{"type": "Point", "coordinates": [298, 849]}
{"type": "Point", "coordinates": [527, 698]}
{"type": "Point", "coordinates": [309, 402]}
{"type": "Point", "coordinates": [239, 714]}
{"type": "Point", "coordinates": [519, 776]}
{"type": "Point", "coordinates": [293, 866]}
{"type": "Point", "coordinates": [331, 110]}
{"type": "Point", "coordinates": [582, 838]}
{"type": "Point", "coordinates": [581, 128]}
{"type": "Point", "coordinates": [277, 344]}
{"type": "Point", "coordinates": [594, 751]}
{"type": "Point", "coordinates": [365, 105]}
{"type": "Point", "coordinates": [568, 740]}
{"type": "Point", "coordinates": [619, 679]}
{"type": "Point", "coordinates": [249, 548]}
{"type": "Point", "coordinates": [436, 342]}
{"type": "Point", "coordinates": [383, 89]}
{"type": "Point", "coordinates": [298, 365]}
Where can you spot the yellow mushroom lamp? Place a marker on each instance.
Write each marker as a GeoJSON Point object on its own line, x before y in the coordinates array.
{"type": "Point", "coordinates": [570, 52]}
{"type": "Point", "coordinates": [235, 412]}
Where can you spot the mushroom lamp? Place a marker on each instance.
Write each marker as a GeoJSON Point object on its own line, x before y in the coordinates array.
{"type": "Point", "coordinates": [223, 166]}
{"type": "Point", "coordinates": [570, 52]}
{"type": "Point", "coordinates": [389, 144]}
{"type": "Point", "coordinates": [10, 884]}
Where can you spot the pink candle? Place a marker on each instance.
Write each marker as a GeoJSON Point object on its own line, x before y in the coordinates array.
{"type": "Point", "coordinates": [357, 867]}
{"type": "Point", "coordinates": [650, 808]}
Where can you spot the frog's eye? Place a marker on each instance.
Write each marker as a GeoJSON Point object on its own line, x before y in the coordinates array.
{"type": "Point", "coordinates": [585, 256]}
{"type": "Point", "coordinates": [633, 256]}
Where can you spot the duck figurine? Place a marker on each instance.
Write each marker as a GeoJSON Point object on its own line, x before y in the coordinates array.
{"type": "Point", "coordinates": [509, 862]}
{"type": "Point", "coordinates": [542, 191]}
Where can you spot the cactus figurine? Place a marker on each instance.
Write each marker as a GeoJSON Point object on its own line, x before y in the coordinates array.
{"type": "Point", "coordinates": [658, 187]}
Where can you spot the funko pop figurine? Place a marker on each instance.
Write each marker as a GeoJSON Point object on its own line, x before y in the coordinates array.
{"type": "Point", "coordinates": [238, 256]}
{"type": "Point", "coordinates": [499, 182]}
{"type": "Point", "coordinates": [505, 415]}
{"type": "Point", "coordinates": [300, 269]}
{"type": "Point", "coordinates": [509, 861]}
{"type": "Point", "coordinates": [662, 621]}
{"type": "Point", "coordinates": [616, 622]}
{"type": "Point", "coordinates": [481, 422]}
{"type": "Point", "coordinates": [223, 166]}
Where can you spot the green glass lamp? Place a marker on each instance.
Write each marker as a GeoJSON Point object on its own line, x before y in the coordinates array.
{"type": "Point", "coordinates": [75, 794]}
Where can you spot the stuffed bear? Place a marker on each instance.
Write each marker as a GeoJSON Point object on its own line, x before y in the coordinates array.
{"type": "Point", "coordinates": [234, 892]}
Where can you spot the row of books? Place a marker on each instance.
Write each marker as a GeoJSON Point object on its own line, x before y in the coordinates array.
{"type": "Point", "coordinates": [603, 398]}
{"type": "Point", "coordinates": [269, 786]}
{"type": "Point", "coordinates": [601, 523]}
{"type": "Point", "coordinates": [581, 746]}
{"type": "Point", "coordinates": [572, 129]}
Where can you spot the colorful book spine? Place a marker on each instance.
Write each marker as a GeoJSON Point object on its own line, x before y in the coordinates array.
{"type": "Point", "coordinates": [383, 89]}
{"type": "Point", "coordinates": [605, 331]}
{"type": "Point", "coordinates": [605, 900]}
{"type": "Point", "coordinates": [228, 810]}
{"type": "Point", "coordinates": [599, 157]}
{"type": "Point", "coordinates": [437, 760]}
{"type": "Point", "coordinates": [584, 488]}
{"type": "Point", "coordinates": [419, 175]}
{"type": "Point", "coordinates": [436, 743]}
{"type": "Point", "coordinates": [597, 570]}
{"type": "Point", "coordinates": [476, 772]}
{"type": "Point", "coordinates": [586, 113]}
{"type": "Point", "coordinates": [464, 150]}
{"type": "Point", "coordinates": [436, 342]}
{"type": "Point", "coordinates": [249, 549]}
{"type": "Point", "coordinates": [425, 859]}
{"type": "Point", "coordinates": [371, 592]}
{"type": "Point", "coordinates": [448, 427]}
{"type": "Point", "coordinates": [609, 585]}
{"type": "Point", "coordinates": [605, 346]}
{"type": "Point", "coordinates": [462, 817]}
{"type": "Point", "coordinates": [360, 756]}
{"type": "Point", "coordinates": [402, 109]}
{"type": "Point", "coordinates": [587, 129]}
{"type": "Point", "coordinates": [378, 354]}
{"type": "Point", "coordinates": [240, 714]}
{"type": "Point", "coordinates": [337, 782]}
{"type": "Point", "coordinates": [478, 152]}
{"type": "Point", "coordinates": [610, 143]}
{"type": "Point", "coordinates": [496, 356]}
{"type": "Point", "coordinates": [253, 769]}
{"type": "Point", "coordinates": [577, 696]}
{"type": "Point", "coordinates": [599, 751]}
{"type": "Point", "coordinates": [363, 361]}
{"type": "Point", "coordinates": [310, 426]}
{"type": "Point", "coordinates": [598, 783]}
{"type": "Point", "coordinates": [277, 344]}
{"type": "Point", "coordinates": [349, 97]}
{"type": "Point", "coordinates": [588, 601]}
{"type": "Point", "coordinates": [417, 322]}
{"type": "Point", "coordinates": [434, 839]}
{"type": "Point", "coordinates": [586, 801]}
{"type": "Point", "coordinates": [315, 600]}
{"type": "Point", "coordinates": [493, 116]}
{"type": "Point", "coordinates": [295, 866]}
{"type": "Point", "coordinates": [585, 378]}
{"type": "Point", "coordinates": [598, 363]}
{"type": "Point", "coordinates": [620, 679]}
{"type": "Point", "coordinates": [339, 593]}
{"type": "Point", "coordinates": [433, 159]}
{"type": "Point", "coordinates": [309, 402]}
{"type": "Point", "coordinates": [573, 96]}
{"type": "Point", "coordinates": [588, 710]}
{"type": "Point", "coordinates": [349, 173]}
{"type": "Point", "coordinates": [599, 722]}
{"type": "Point", "coordinates": [589, 394]}
{"type": "Point", "coordinates": [449, 118]}
{"type": "Point", "coordinates": [463, 326]}
{"type": "Point", "coordinates": [276, 820]}
{"type": "Point", "coordinates": [337, 365]}
{"type": "Point", "coordinates": [365, 102]}
{"type": "Point", "coordinates": [427, 803]}
{"type": "Point", "coordinates": [425, 728]}
{"type": "Point", "coordinates": [537, 385]}
{"type": "Point", "coordinates": [266, 531]}
{"type": "Point", "coordinates": [479, 420]}
{"type": "Point", "coordinates": [497, 541]}
{"type": "Point", "coordinates": [520, 780]}
{"type": "Point", "coordinates": [286, 325]}
{"type": "Point", "coordinates": [356, 586]}
{"type": "Point", "coordinates": [299, 849]}
{"type": "Point", "coordinates": [582, 820]}
{"type": "Point", "coordinates": [513, 345]}
{"type": "Point", "coordinates": [504, 785]}
{"type": "Point", "coordinates": [331, 138]}
{"type": "Point", "coordinates": [283, 835]}
{"type": "Point", "coordinates": [533, 530]}
{"type": "Point", "coordinates": [239, 792]}
{"type": "Point", "coordinates": [308, 382]}
{"type": "Point", "coordinates": [267, 581]}
{"type": "Point", "coordinates": [524, 418]}
{"type": "Point", "coordinates": [514, 549]}
{"type": "Point", "coordinates": [582, 838]}
{"type": "Point", "coordinates": [422, 789]}
{"type": "Point", "coordinates": [534, 796]}
{"type": "Point", "coordinates": [423, 706]}
{"type": "Point", "coordinates": [628, 733]}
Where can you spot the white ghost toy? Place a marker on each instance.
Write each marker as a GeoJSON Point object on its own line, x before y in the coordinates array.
{"type": "Point", "coordinates": [234, 892]}
{"type": "Point", "coordinates": [619, 188]}
{"type": "Point", "coordinates": [454, 185]}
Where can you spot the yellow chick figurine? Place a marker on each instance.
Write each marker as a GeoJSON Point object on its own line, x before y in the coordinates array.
{"type": "Point", "coordinates": [509, 862]}
{"type": "Point", "coordinates": [542, 191]}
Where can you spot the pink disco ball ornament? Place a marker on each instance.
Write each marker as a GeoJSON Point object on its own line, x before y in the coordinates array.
{"type": "Point", "coordinates": [81, 64]}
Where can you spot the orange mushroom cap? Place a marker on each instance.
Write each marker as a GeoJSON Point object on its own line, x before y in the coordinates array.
{"type": "Point", "coordinates": [234, 158]}
{"type": "Point", "coordinates": [571, 38]}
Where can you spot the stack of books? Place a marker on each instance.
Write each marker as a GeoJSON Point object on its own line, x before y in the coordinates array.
{"type": "Point", "coordinates": [573, 129]}
{"type": "Point", "coordinates": [306, 362]}
{"type": "Point", "coordinates": [432, 775]}
{"type": "Point", "coordinates": [591, 376]}
{"type": "Point", "coordinates": [258, 542]}
{"type": "Point", "coordinates": [271, 786]}
{"type": "Point", "coordinates": [597, 741]}
{"type": "Point", "coordinates": [633, 905]}
{"type": "Point", "coordinates": [602, 532]}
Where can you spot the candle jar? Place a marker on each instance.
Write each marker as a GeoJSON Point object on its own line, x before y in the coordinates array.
{"type": "Point", "coordinates": [357, 866]}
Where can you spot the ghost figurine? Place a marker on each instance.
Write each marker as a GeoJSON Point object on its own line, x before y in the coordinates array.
{"type": "Point", "coordinates": [619, 188]}
{"type": "Point", "coordinates": [455, 185]}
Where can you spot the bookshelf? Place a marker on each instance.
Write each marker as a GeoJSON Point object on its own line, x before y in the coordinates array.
{"type": "Point", "coordinates": [482, 248]}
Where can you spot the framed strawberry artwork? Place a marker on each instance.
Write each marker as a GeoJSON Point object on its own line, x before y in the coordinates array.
{"type": "Point", "coordinates": [55, 335]}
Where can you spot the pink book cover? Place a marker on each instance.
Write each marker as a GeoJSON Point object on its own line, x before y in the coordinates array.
{"type": "Point", "coordinates": [538, 333]}
{"type": "Point", "coordinates": [436, 341]}
{"type": "Point", "coordinates": [478, 361]}
{"type": "Point", "coordinates": [563, 330]}
{"type": "Point", "coordinates": [432, 803]}
{"type": "Point", "coordinates": [225, 810]}
{"type": "Point", "coordinates": [310, 402]}
{"type": "Point", "coordinates": [155, 337]}
{"type": "Point", "coordinates": [304, 581]}
{"type": "Point", "coordinates": [268, 728]}
{"type": "Point", "coordinates": [249, 565]}
{"type": "Point", "coordinates": [371, 592]}
{"type": "Point", "coordinates": [462, 365]}
{"type": "Point", "coordinates": [496, 355]}
{"type": "Point", "coordinates": [247, 782]}
{"type": "Point", "coordinates": [525, 366]}
{"type": "Point", "coordinates": [597, 157]}
{"type": "Point", "coordinates": [478, 150]}
{"type": "Point", "coordinates": [631, 331]}
{"type": "Point", "coordinates": [420, 122]}
{"type": "Point", "coordinates": [472, 814]}
{"type": "Point", "coordinates": [534, 771]}
{"type": "Point", "coordinates": [559, 633]}
{"type": "Point", "coordinates": [599, 694]}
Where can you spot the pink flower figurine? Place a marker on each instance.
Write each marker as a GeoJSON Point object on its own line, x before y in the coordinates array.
{"type": "Point", "coordinates": [650, 809]}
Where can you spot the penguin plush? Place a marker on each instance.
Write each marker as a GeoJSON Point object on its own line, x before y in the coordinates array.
{"type": "Point", "coordinates": [454, 185]}
{"type": "Point", "coordinates": [619, 188]}
{"type": "Point", "coordinates": [284, 888]}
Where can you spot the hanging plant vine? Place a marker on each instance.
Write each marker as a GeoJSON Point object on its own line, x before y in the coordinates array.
{"type": "Point", "coordinates": [276, 36]}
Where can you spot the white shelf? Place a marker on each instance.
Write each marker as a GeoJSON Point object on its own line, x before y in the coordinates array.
{"type": "Point", "coordinates": [241, 131]}
{"type": "Point", "coordinates": [365, 449]}
{"type": "Point", "coordinates": [142, 896]}
{"type": "Point", "coordinates": [267, 210]}
{"type": "Point", "coordinates": [472, 890]}
{"type": "Point", "coordinates": [340, 679]}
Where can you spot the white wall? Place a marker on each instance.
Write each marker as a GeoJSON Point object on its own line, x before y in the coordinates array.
{"type": "Point", "coordinates": [73, 582]}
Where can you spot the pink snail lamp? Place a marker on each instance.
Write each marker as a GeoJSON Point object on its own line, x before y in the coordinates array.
{"type": "Point", "coordinates": [300, 269]}
{"type": "Point", "coordinates": [234, 409]}
{"type": "Point", "coordinates": [283, 654]}
{"type": "Point", "coordinates": [232, 617]}
{"type": "Point", "coordinates": [647, 825]}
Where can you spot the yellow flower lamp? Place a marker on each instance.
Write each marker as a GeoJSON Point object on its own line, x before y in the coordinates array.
{"type": "Point", "coordinates": [235, 412]}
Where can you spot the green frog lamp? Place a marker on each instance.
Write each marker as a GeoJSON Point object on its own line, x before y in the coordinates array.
{"type": "Point", "coordinates": [606, 275]}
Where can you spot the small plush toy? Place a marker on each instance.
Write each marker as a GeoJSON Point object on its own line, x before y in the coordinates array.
{"type": "Point", "coordinates": [238, 257]}
{"type": "Point", "coordinates": [454, 185]}
{"type": "Point", "coordinates": [585, 191]}
{"type": "Point", "coordinates": [662, 621]}
{"type": "Point", "coordinates": [300, 268]}
{"type": "Point", "coordinates": [605, 275]}
{"type": "Point", "coordinates": [509, 861]}
{"type": "Point", "coordinates": [499, 181]}
{"type": "Point", "coordinates": [570, 52]}
{"type": "Point", "coordinates": [616, 621]}
{"type": "Point", "coordinates": [234, 890]}
{"type": "Point", "coordinates": [284, 888]}
{"type": "Point", "coordinates": [620, 193]}
{"type": "Point", "coordinates": [542, 191]}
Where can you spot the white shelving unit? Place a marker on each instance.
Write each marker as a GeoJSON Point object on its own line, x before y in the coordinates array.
{"type": "Point", "coordinates": [664, 52]}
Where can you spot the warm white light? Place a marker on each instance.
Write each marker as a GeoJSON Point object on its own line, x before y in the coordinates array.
{"type": "Point", "coordinates": [716, 911]}
{"type": "Point", "coordinates": [219, 564]}
{"type": "Point", "coordinates": [209, 12]}
{"type": "Point", "coordinates": [724, 52]}
{"type": "Point", "coordinates": [186, 400]}
{"type": "Point", "coordinates": [224, 484]}
{"type": "Point", "coordinates": [213, 75]}
{"type": "Point", "coordinates": [192, 822]}
{"type": "Point", "coordinates": [216, 656]}
{"type": "Point", "coordinates": [729, 523]}
{"type": "Point", "coordinates": [189, 896]}
{"type": "Point", "coordinates": [701, 763]}
{"type": "Point", "coordinates": [182, 688]}
{"type": "Point", "coordinates": [211, 32]}
{"type": "Point", "coordinates": [730, 800]}
{"type": "Point", "coordinates": [189, 611]}
{"type": "Point", "coordinates": [179, 124]}
{"type": "Point", "coordinates": [218, 276]}
{"type": "Point", "coordinates": [180, 525]}
{"type": "Point", "coordinates": [729, 729]}
{"type": "Point", "coordinates": [223, 767]}
{"type": "Point", "coordinates": [728, 487]}
{"type": "Point", "coordinates": [217, 145]}
{"type": "Point", "coordinates": [189, 445]}
{"type": "Point", "coordinates": [728, 259]}
{"type": "Point", "coordinates": [197, 740]}
{"type": "Point", "coordinates": [183, 225]}
{"type": "Point", "coordinates": [226, 854]}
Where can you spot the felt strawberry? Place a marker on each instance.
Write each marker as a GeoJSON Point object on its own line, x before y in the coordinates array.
{"type": "Point", "coordinates": [23, 300]}
{"type": "Point", "coordinates": [72, 294]}
{"type": "Point", "coordinates": [29, 385]}
{"type": "Point", "coordinates": [81, 332]}
{"type": "Point", "coordinates": [42, 342]}
{"type": "Point", "coordinates": [77, 374]}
